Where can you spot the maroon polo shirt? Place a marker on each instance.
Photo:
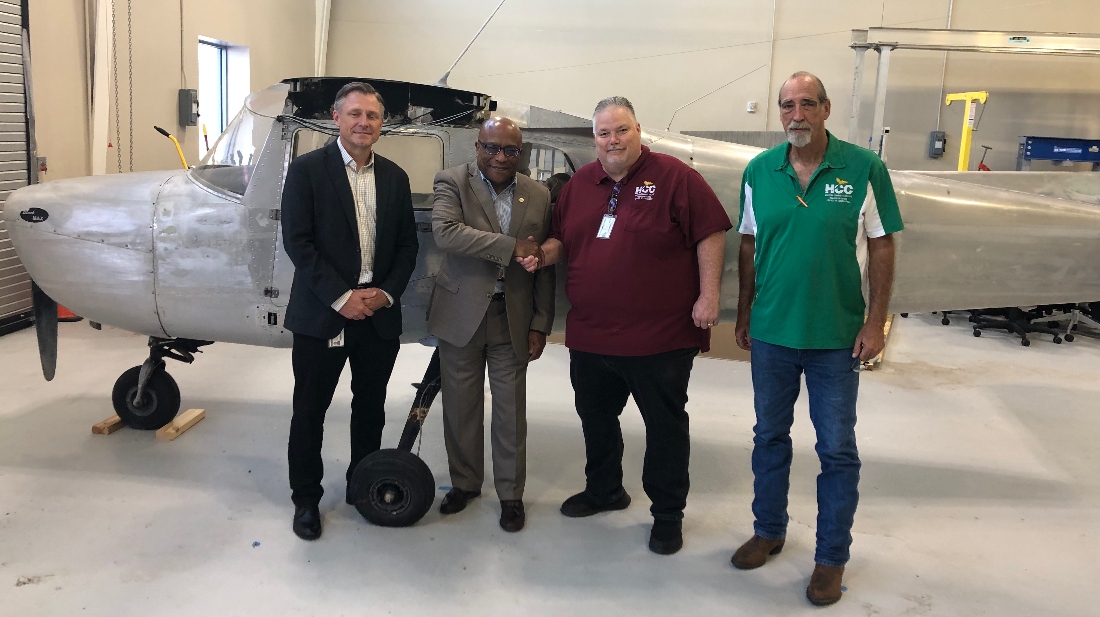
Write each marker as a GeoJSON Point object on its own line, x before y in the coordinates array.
{"type": "Point", "coordinates": [632, 294]}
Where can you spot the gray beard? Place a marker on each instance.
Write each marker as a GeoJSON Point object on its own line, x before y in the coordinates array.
{"type": "Point", "coordinates": [799, 140]}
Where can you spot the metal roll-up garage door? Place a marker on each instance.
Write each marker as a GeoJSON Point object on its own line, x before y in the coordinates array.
{"type": "Point", "coordinates": [15, 284]}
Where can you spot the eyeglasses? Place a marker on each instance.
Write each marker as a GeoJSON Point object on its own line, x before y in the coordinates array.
{"type": "Point", "coordinates": [494, 149]}
{"type": "Point", "coordinates": [614, 201]}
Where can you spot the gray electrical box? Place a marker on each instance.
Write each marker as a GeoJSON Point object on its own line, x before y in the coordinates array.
{"type": "Point", "coordinates": [936, 141]}
{"type": "Point", "coordinates": [189, 107]}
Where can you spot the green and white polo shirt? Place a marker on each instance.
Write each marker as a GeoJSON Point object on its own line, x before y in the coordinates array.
{"type": "Point", "coordinates": [811, 245]}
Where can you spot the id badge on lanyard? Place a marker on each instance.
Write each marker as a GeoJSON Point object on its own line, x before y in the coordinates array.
{"type": "Point", "coordinates": [608, 222]}
{"type": "Point", "coordinates": [606, 225]}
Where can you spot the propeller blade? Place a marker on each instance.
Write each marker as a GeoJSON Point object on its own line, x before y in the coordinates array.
{"type": "Point", "coordinates": [45, 324]}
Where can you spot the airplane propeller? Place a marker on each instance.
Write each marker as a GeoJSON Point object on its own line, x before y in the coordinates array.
{"type": "Point", "coordinates": [45, 324]}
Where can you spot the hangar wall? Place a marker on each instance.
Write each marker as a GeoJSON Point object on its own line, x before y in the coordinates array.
{"type": "Point", "coordinates": [279, 34]}
{"type": "Point", "coordinates": [566, 54]}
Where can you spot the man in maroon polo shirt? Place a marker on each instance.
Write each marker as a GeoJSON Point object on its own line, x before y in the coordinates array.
{"type": "Point", "coordinates": [645, 240]}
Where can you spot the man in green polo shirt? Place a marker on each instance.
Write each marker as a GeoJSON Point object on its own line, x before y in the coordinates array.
{"type": "Point", "coordinates": [817, 214]}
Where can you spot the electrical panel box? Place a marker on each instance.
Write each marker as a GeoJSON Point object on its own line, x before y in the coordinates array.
{"type": "Point", "coordinates": [936, 141]}
{"type": "Point", "coordinates": [189, 107]}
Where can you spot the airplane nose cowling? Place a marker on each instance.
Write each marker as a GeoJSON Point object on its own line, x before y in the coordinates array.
{"type": "Point", "coordinates": [88, 243]}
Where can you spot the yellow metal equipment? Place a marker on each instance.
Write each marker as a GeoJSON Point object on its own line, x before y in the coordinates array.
{"type": "Point", "coordinates": [972, 99]}
{"type": "Point", "coordinates": [178, 149]}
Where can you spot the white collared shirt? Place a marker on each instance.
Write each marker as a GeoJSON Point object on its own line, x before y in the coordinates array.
{"type": "Point", "coordinates": [365, 195]}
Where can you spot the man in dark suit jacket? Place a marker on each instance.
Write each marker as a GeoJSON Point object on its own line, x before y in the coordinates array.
{"type": "Point", "coordinates": [348, 227]}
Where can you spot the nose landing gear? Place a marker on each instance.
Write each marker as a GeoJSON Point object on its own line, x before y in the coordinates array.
{"type": "Point", "coordinates": [146, 397]}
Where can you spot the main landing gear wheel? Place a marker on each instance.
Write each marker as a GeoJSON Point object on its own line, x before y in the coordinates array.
{"type": "Point", "coordinates": [159, 403]}
{"type": "Point", "coordinates": [394, 488]}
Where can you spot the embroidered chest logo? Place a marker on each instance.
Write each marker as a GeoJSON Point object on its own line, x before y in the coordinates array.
{"type": "Point", "coordinates": [646, 191]}
{"type": "Point", "coordinates": [841, 192]}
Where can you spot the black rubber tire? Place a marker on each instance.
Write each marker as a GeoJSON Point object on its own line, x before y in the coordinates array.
{"type": "Point", "coordinates": [162, 399]}
{"type": "Point", "coordinates": [904, 314]}
{"type": "Point", "coordinates": [1025, 342]}
{"type": "Point", "coordinates": [392, 488]}
{"type": "Point", "coordinates": [1057, 340]}
{"type": "Point", "coordinates": [1069, 338]}
{"type": "Point", "coordinates": [945, 321]}
{"type": "Point", "coordinates": [977, 332]}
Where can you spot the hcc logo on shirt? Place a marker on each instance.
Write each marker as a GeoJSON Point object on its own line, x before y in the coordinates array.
{"type": "Point", "coordinates": [841, 192]}
{"type": "Point", "coordinates": [646, 191]}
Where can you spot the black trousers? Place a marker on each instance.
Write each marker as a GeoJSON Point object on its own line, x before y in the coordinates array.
{"type": "Point", "coordinates": [317, 369]}
{"type": "Point", "coordinates": [658, 383]}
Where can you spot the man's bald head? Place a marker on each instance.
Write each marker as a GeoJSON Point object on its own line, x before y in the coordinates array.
{"type": "Point", "coordinates": [804, 78]}
{"type": "Point", "coordinates": [497, 126]}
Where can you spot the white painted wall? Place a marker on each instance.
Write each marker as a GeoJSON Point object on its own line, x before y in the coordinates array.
{"type": "Point", "coordinates": [567, 54]}
{"type": "Point", "coordinates": [278, 33]}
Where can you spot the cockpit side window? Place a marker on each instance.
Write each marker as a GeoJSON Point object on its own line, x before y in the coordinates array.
{"type": "Point", "coordinates": [420, 155]}
{"type": "Point", "coordinates": [548, 165]}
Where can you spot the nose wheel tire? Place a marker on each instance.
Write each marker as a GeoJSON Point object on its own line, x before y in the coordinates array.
{"type": "Point", "coordinates": [392, 488]}
{"type": "Point", "coordinates": [159, 405]}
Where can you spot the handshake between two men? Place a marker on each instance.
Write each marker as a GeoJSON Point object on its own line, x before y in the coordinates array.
{"type": "Point", "coordinates": [529, 254]}
{"type": "Point", "coordinates": [364, 302]}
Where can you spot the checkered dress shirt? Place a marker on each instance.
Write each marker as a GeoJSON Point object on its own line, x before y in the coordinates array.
{"type": "Point", "coordinates": [366, 212]}
{"type": "Point", "coordinates": [502, 203]}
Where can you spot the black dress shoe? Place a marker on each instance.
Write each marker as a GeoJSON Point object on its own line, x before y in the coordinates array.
{"type": "Point", "coordinates": [512, 517]}
{"type": "Point", "coordinates": [456, 499]}
{"type": "Point", "coordinates": [307, 522]}
{"type": "Point", "coordinates": [582, 504]}
{"type": "Point", "coordinates": [666, 537]}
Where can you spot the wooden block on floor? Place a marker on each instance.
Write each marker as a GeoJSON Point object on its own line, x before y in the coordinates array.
{"type": "Point", "coordinates": [181, 423]}
{"type": "Point", "coordinates": [108, 426]}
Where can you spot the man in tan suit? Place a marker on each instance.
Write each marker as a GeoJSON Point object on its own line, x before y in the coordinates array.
{"type": "Point", "coordinates": [487, 310]}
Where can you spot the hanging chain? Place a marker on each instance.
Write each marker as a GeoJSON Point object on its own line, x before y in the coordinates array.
{"type": "Point", "coordinates": [114, 78]}
{"type": "Point", "coordinates": [183, 72]}
{"type": "Point", "coordinates": [130, 59]}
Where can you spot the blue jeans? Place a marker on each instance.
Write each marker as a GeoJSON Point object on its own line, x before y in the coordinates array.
{"type": "Point", "coordinates": [832, 384]}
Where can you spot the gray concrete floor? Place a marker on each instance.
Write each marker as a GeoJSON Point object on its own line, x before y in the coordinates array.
{"type": "Point", "coordinates": [980, 495]}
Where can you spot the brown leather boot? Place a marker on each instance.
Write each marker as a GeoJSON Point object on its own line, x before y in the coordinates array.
{"type": "Point", "coordinates": [754, 553]}
{"type": "Point", "coordinates": [824, 588]}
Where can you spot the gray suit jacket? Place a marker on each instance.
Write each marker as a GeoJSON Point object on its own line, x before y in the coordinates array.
{"type": "Point", "coordinates": [466, 229]}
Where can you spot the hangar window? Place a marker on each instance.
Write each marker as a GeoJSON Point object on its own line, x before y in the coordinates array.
{"type": "Point", "coordinates": [213, 85]}
{"type": "Point", "coordinates": [223, 86]}
{"type": "Point", "coordinates": [420, 155]}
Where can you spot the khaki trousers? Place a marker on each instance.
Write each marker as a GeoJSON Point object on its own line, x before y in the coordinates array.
{"type": "Point", "coordinates": [463, 371]}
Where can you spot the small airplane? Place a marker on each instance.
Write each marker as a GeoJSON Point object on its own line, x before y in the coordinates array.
{"type": "Point", "coordinates": [190, 257]}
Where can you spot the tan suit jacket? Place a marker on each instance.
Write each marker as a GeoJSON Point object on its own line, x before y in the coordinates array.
{"type": "Point", "coordinates": [466, 229]}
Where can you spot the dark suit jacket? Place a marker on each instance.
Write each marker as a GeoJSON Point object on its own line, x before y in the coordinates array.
{"type": "Point", "coordinates": [321, 237]}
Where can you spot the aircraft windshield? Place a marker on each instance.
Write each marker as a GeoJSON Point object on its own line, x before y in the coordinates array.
{"type": "Point", "coordinates": [229, 163]}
